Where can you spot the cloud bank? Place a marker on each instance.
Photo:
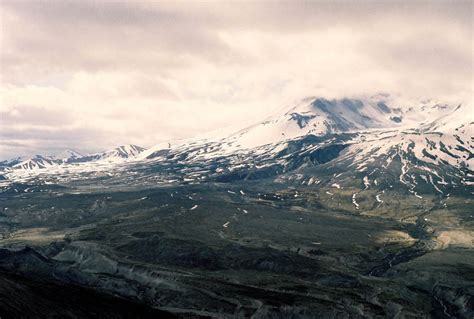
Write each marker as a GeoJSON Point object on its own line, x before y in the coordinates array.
{"type": "Point", "coordinates": [93, 75]}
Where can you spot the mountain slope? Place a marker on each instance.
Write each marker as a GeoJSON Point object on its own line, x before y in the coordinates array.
{"type": "Point", "coordinates": [118, 154]}
{"type": "Point", "coordinates": [429, 147]}
{"type": "Point", "coordinates": [37, 162]}
{"type": "Point", "coordinates": [11, 162]}
{"type": "Point", "coordinates": [317, 116]}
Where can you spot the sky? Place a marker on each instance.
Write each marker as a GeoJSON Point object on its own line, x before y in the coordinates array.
{"type": "Point", "coordinates": [92, 75]}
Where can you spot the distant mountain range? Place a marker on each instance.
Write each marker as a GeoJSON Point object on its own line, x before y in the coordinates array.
{"type": "Point", "coordinates": [425, 143]}
{"type": "Point", "coordinates": [73, 157]}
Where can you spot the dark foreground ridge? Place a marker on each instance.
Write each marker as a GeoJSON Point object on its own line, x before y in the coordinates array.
{"type": "Point", "coordinates": [22, 297]}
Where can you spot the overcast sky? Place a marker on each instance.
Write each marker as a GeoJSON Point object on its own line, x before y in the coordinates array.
{"type": "Point", "coordinates": [94, 75]}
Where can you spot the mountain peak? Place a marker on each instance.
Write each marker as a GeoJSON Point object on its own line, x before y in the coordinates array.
{"type": "Point", "coordinates": [68, 154]}
{"type": "Point", "coordinates": [117, 154]}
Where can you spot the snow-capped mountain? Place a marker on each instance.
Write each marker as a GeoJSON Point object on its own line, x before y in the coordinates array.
{"type": "Point", "coordinates": [45, 161]}
{"type": "Point", "coordinates": [38, 162]}
{"type": "Point", "coordinates": [404, 144]}
{"type": "Point", "coordinates": [316, 116]}
{"type": "Point", "coordinates": [118, 154]}
{"type": "Point", "coordinates": [319, 116]}
{"type": "Point", "coordinates": [11, 162]}
{"type": "Point", "coordinates": [425, 142]}
{"type": "Point", "coordinates": [447, 140]}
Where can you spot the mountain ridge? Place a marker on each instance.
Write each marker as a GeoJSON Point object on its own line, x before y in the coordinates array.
{"type": "Point", "coordinates": [70, 156]}
{"type": "Point", "coordinates": [433, 139]}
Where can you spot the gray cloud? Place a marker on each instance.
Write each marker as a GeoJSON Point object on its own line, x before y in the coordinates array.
{"type": "Point", "coordinates": [34, 115]}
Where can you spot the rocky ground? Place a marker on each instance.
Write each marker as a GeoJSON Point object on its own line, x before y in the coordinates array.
{"type": "Point", "coordinates": [258, 249]}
